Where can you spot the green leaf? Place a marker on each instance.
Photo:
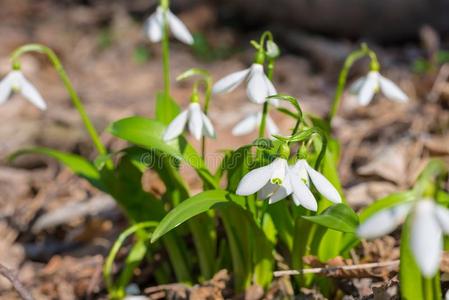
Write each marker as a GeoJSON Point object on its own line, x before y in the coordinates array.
{"type": "Point", "coordinates": [409, 274]}
{"type": "Point", "coordinates": [166, 108]}
{"type": "Point", "coordinates": [339, 217]}
{"type": "Point", "coordinates": [388, 201]}
{"type": "Point", "coordinates": [77, 164]}
{"type": "Point", "coordinates": [188, 209]}
{"type": "Point", "coordinates": [148, 133]}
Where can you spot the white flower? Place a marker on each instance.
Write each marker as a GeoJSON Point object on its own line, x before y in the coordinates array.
{"type": "Point", "coordinates": [300, 174]}
{"type": "Point", "coordinates": [259, 86]}
{"type": "Point", "coordinates": [367, 86]}
{"type": "Point", "coordinates": [154, 27]}
{"type": "Point", "coordinates": [429, 221]}
{"type": "Point", "coordinates": [252, 122]}
{"type": "Point", "coordinates": [15, 81]}
{"type": "Point", "coordinates": [277, 180]}
{"type": "Point", "coordinates": [271, 181]}
{"type": "Point", "coordinates": [197, 122]}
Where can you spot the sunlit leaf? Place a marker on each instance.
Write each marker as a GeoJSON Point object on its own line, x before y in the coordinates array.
{"type": "Point", "coordinates": [339, 217]}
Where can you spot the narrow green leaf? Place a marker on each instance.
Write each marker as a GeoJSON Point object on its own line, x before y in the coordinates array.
{"type": "Point", "coordinates": [188, 209]}
{"type": "Point", "coordinates": [166, 108]}
{"type": "Point", "coordinates": [410, 277]}
{"type": "Point", "coordinates": [339, 217]}
{"type": "Point", "coordinates": [77, 164]}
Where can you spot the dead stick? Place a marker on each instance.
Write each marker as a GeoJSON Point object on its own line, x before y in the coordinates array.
{"type": "Point", "coordinates": [18, 286]}
{"type": "Point", "coordinates": [330, 269]}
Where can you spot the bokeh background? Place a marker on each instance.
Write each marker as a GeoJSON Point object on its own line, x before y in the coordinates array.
{"type": "Point", "coordinates": [55, 229]}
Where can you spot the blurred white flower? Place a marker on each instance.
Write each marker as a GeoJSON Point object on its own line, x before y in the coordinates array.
{"type": "Point", "coordinates": [367, 86]}
{"type": "Point", "coordinates": [251, 122]}
{"type": "Point", "coordinates": [154, 27]}
{"type": "Point", "coordinates": [197, 122]}
{"type": "Point", "coordinates": [259, 86]}
{"type": "Point", "coordinates": [429, 221]}
{"type": "Point", "coordinates": [277, 180]}
{"type": "Point", "coordinates": [300, 183]}
{"type": "Point", "coordinates": [16, 82]}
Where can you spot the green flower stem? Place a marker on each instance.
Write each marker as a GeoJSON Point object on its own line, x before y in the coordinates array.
{"type": "Point", "coordinates": [68, 85]}
{"type": "Point", "coordinates": [165, 4]}
{"type": "Point", "coordinates": [350, 60]}
{"type": "Point", "coordinates": [265, 109]}
{"type": "Point", "coordinates": [428, 292]}
{"type": "Point", "coordinates": [207, 97]}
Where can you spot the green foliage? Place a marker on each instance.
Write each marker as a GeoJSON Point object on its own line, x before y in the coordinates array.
{"type": "Point", "coordinates": [339, 217]}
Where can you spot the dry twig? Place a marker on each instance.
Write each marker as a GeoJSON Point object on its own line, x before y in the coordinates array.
{"type": "Point", "coordinates": [18, 286]}
{"type": "Point", "coordinates": [334, 269]}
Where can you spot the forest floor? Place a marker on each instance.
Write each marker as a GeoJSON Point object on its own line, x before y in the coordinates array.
{"type": "Point", "coordinates": [56, 229]}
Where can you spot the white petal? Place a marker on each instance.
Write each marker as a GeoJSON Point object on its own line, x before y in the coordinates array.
{"type": "Point", "coordinates": [357, 85]}
{"type": "Point", "coordinates": [271, 89]}
{"type": "Point", "coordinates": [384, 221]}
{"type": "Point", "coordinates": [230, 82]}
{"type": "Point", "coordinates": [176, 127]}
{"type": "Point", "coordinates": [282, 191]}
{"type": "Point", "coordinates": [442, 214]}
{"type": "Point", "coordinates": [31, 94]}
{"type": "Point", "coordinates": [271, 126]}
{"type": "Point", "coordinates": [208, 128]}
{"type": "Point", "coordinates": [178, 29]}
{"type": "Point", "coordinates": [322, 184]}
{"type": "Point", "coordinates": [254, 180]}
{"type": "Point", "coordinates": [368, 88]}
{"type": "Point", "coordinates": [267, 190]}
{"type": "Point", "coordinates": [280, 168]}
{"type": "Point", "coordinates": [154, 26]}
{"type": "Point", "coordinates": [257, 89]}
{"type": "Point", "coordinates": [426, 238]}
{"type": "Point", "coordinates": [6, 87]}
{"type": "Point", "coordinates": [247, 125]}
{"type": "Point", "coordinates": [303, 196]}
{"type": "Point", "coordinates": [391, 90]}
{"type": "Point", "coordinates": [195, 120]}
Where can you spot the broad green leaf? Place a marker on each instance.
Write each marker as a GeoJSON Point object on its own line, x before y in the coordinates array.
{"type": "Point", "coordinates": [166, 108]}
{"type": "Point", "coordinates": [148, 134]}
{"type": "Point", "coordinates": [339, 217]}
{"type": "Point", "coordinates": [188, 209]}
{"type": "Point", "coordinates": [77, 164]}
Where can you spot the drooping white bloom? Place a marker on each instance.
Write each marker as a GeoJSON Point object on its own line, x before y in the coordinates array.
{"type": "Point", "coordinates": [429, 221]}
{"type": "Point", "coordinates": [154, 27]}
{"type": "Point", "coordinates": [300, 173]}
{"type": "Point", "coordinates": [259, 87]}
{"type": "Point", "coordinates": [197, 122]}
{"type": "Point", "coordinates": [271, 181]}
{"type": "Point", "coordinates": [367, 86]}
{"type": "Point", "coordinates": [16, 82]}
{"type": "Point", "coordinates": [252, 122]}
{"type": "Point", "coordinates": [277, 180]}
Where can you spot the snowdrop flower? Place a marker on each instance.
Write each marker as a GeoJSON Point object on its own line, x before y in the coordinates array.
{"type": "Point", "coordinates": [259, 87]}
{"type": "Point", "coordinates": [271, 181]}
{"type": "Point", "coordinates": [367, 86]}
{"type": "Point", "coordinates": [154, 27]}
{"type": "Point", "coordinates": [300, 176]}
{"type": "Point", "coordinates": [252, 122]}
{"type": "Point", "coordinates": [16, 82]}
{"type": "Point", "coordinates": [429, 221]}
{"type": "Point", "coordinates": [277, 180]}
{"type": "Point", "coordinates": [197, 122]}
